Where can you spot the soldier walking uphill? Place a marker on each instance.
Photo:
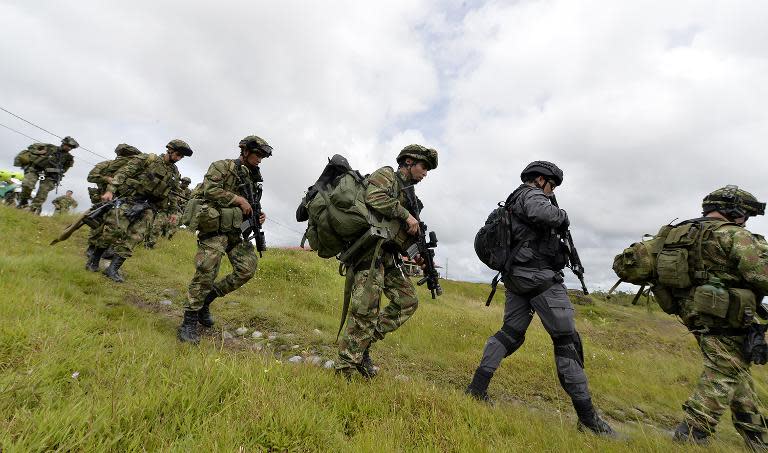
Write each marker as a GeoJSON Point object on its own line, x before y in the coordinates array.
{"type": "Point", "coordinates": [222, 206]}
{"type": "Point", "coordinates": [102, 175]}
{"type": "Point", "coordinates": [140, 187]}
{"type": "Point", "coordinates": [47, 164]}
{"type": "Point", "coordinates": [716, 300]}
{"type": "Point", "coordinates": [367, 323]}
{"type": "Point", "coordinates": [64, 203]}
{"type": "Point", "coordinates": [533, 282]}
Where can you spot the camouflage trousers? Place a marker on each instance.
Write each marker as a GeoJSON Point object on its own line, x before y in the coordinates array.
{"type": "Point", "coordinates": [210, 251]}
{"type": "Point", "coordinates": [160, 225]}
{"type": "Point", "coordinates": [726, 381]}
{"type": "Point", "coordinates": [366, 322]}
{"type": "Point", "coordinates": [10, 198]}
{"type": "Point", "coordinates": [120, 233]}
{"type": "Point", "coordinates": [31, 178]}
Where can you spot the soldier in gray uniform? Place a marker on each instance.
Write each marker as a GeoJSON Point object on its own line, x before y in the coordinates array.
{"type": "Point", "coordinates": [533, 282]}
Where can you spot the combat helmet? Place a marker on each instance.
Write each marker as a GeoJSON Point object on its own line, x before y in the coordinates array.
{"type": "Point", "coordinates": [732, 202]}
{"type": "Point", "coordinates": [186, 180]}
{"type": "Point", "coordinates": [542, 168]}
{"type": "Point", "coordinates": [253, 143]}
{"type": "Point", "coordinates": [70, 141]}
{"type": "Point", "coordinates": [125, 150]}
{"type": "Point", "coordinates": [179, 146]}
{"type": "Point", "coordinates": [418, 152]}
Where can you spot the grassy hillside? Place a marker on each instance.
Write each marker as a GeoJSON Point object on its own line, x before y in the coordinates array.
{"type": "Point", "coordinates": [89, 365]}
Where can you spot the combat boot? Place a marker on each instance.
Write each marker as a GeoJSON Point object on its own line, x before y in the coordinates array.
{"type": "Point", "coordinates": [204, 314]}
{"type": "Point", "coordinates": [367, 367]}
{"type": "Point", "coordinates": [685, 433]}
{"type": "Point", "coordinates": [94, 258]}
{"type": "Point", "coordinates": [478, 388]}
{"type": "Point", "coordinates": [23, 203]}
{"type": "Point", "coordinates": [589, 420]}
{"type": "Point", "coordinates": [113, 271]}
{"type": "Point", "coordinates": [187, 332]}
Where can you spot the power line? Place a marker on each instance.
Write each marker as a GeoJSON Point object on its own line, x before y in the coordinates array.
{"type": "Point", "coordinates": [46, 130]}
{"type": "Point", "coordinates": [284, 226]}
{"type": "Point", "coordinates": [38, 140]}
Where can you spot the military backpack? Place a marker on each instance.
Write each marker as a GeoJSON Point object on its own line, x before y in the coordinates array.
{"type": "Point", "coordinates": [671, 263]}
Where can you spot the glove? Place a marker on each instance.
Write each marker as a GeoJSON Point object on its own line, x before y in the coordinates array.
{"type": "Point", "coordinates": [755, 348]}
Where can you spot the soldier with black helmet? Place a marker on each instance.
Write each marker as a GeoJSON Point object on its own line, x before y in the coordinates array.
{"type": "Point", "coordinates": [366, 322]}
{"type": "Point", "coordinates": [222, 207]}
{"type": "Point", "coordinates": [717, 298]}
{"type": "Point", "coordinates": [47, 164]}
{"type": "Point", "coordinates": [142, 186]}
{"type": "Point", "coordinates": [533, 283]}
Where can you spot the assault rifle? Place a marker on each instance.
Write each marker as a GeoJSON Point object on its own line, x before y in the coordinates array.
{"type": "Point", "coordinates": [251, 227]}
{"type": "Point", "coordinates": [424, 248]}
{"type": "Point", "coordinates": [574, 262]}
{"type": "Point", "coordinates": [92, 217]}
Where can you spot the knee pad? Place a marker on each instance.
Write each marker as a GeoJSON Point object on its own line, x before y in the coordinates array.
{"type": "Point", "coordinates": [569, 346]}
{"type": "Point", "coordinates": [510, 338]}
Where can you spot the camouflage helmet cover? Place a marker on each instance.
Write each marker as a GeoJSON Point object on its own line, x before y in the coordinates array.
{"type": "Point", "coordinates": [70, 142]}
{"type": "Point", "coordinates": [418, 152]}
{"type": "Point", "coordinates": [254, 142]}
{"type": "Point", "coordinates": [125, 150]}
{"type": "Point", "coordinates": [179, 146]}
{"type": "Point", "coordinates": [186, 180]}
{"type": "Point", "coordinates": [732, 202]}
{"type": "Point", "coordinates": [542, 168]}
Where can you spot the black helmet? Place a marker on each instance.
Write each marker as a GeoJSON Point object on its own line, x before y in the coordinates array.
{"type": "Point", "coordinates": [254, 142]}
{"type": "Point", "coordinates": [542, 168]}
{"type": "Point", "coordinates": [732, 202]}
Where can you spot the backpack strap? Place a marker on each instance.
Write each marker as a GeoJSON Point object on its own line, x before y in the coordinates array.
{"type": "Point", "coordinates": [494, 284]}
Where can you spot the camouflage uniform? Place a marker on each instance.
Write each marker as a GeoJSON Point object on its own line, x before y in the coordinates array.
{"type": "Point", "coordinates": [99, 174]}
{"type": "Point", "coordinates": [145, 177]}
{"type": "Point", "coordinates": [740, 260]}
{"type": "Point", "coordinates": [44, 163]}
{"type": "Point", "coordinates": [63, 204]}
{"type": "Point", "coordinates": [220, 189]}
{"type": "Point", "coordinates": [181, 203]}
{"type": "Point", "coordinates": [366, 322]}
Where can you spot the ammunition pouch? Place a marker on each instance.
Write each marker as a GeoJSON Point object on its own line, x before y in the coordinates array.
{"type": "Point", "coordinates": [208, 219]}
{"type": "Point", "coordinates": [672, 268]}
{"type": "Point", "coordinates": [720, 307]}
{"type": "Point", "coordinates": [135, 212]}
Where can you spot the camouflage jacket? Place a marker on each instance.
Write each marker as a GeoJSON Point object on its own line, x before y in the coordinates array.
{"type": "Point", "coordinates": [385, 194]}
{"type": "Point", "coordinates": [44, 156]}
{"type": "Point", "coordinates": [222, 183]}
{"type": "Point", "coordinates": [738, 257]}
{"type": "Point", "coordinates": [147, 176]}
{"type": "Point", "coordinates": [107, 169]}
{"type": "Point", "coordinates": [64, 203]}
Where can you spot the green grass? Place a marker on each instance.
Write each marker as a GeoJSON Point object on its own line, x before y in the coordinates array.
{"type": "Point", "coordinates": [89, 365]}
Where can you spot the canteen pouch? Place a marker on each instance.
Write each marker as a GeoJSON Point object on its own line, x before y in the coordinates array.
{"type": "Point", "coordinates": [743, 306]}
{"type": "Point", "coordinates": [230, 219]}
{"type": "Point", "coordinates": [208, 219]}
{"type": "Point", "coordinates": [711, 300]}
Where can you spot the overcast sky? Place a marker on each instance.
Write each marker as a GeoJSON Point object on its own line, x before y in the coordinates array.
{"type": "Point", "coordinates": [646, 105]}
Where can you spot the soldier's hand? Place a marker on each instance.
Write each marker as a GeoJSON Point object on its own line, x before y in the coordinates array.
{"type": "Point", "coordinates": [173, 219]}
{"type": "Point", "coordinates": [109, 179]}
{"type": "Point", "coordinates": [262, 218]}
{"type": "Point", "coordinates": [412, 225]}
{"type": "Point", "coordinates": [420, 261]}
{"type": "Point", "coordinates": [244, 205]}
{"type": "Point", "coordinates": [107, 196]}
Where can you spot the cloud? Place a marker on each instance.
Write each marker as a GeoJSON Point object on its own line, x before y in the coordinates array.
{"type": "Point", "coordinates": [646, 106]}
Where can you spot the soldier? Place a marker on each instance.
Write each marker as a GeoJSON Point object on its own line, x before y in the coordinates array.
{"type": "Point", "coordinates": [367, 324]}
{"type": "Point", "coordinates": [64, 203]}
{"type": "Point", "coordinates": [102, 175]}
{"type": "Point", "coordinates": [734, 262]}
{"type": "Point", "coordinates": [223, 192]}
{"type": "Point", "coordinates": [142, 185]}
{"type": "Point", "coordinates": [533, 283]}
{"type": "Point", "coordinates": [45, 163]}
{"type": "Point", "coordinates": [181, 202]}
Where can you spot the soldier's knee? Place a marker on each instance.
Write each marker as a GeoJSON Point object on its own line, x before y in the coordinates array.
{"type": "Point", "coordinates": [511, 339]}
{"type": "Point", "coordinates": [569, 346]}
